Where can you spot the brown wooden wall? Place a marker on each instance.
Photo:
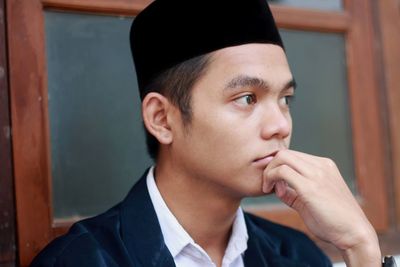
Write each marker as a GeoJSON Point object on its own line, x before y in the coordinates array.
{"type": "Point", "coordinates": [7, 223]}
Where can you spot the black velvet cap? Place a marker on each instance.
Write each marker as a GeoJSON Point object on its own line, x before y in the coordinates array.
{"type": "Point", "coordinates": [168, 32]}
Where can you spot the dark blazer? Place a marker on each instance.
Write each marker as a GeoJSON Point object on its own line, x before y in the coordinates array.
{"type": "Point", "coordinates": [129, 235]}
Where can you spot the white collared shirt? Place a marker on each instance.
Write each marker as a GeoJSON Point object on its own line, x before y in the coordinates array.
{"type": "Point", "coordinates": [183, 248]}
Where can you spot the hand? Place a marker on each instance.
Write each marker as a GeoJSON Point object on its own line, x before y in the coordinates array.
{"type": "Point", "coordinates": [314, 187]}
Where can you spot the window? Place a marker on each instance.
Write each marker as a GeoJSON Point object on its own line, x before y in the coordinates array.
{"type": "Point", "coordinates": [49, 93]}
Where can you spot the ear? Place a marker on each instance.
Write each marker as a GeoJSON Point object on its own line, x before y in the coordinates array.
{"type": "Point", "coordinates": [155, 111]}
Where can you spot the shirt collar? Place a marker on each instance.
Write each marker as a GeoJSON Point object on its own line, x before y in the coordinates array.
{"type": "Point", "coordinates": [238, 242]}
{"type": "Point", "coordinates": [175, 236]}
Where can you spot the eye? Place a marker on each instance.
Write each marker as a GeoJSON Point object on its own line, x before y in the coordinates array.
{"type": "Point", "coordinates": [246, 100]}
{"type": "Point", "coordinates": [286, 100]}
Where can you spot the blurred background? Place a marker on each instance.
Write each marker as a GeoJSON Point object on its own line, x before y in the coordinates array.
{"type": "Point", "coordinates": [72, 140]}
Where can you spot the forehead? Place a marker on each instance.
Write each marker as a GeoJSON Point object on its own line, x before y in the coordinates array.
{"type": "Point", "coordinates": [264, 61]}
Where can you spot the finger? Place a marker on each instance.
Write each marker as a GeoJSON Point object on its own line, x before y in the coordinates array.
{"type": "Point", "coordinates": [301, 164]}
{"type": "Point", "coordinates": [308, 157]}
{"type": "Point", "coordinates": [318, 162]}
{"type": "Point", "coordinates": [280, 188]}
{"type": "Point", "coordinates": [285, 173]}
{"type": "Point", "coordinates": [286, 194]}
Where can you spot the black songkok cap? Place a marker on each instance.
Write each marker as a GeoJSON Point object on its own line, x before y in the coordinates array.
{"type": "Point", "coordinates": [168, 32]}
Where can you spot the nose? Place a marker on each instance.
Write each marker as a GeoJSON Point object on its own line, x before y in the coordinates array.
{"type": "Point", "coordinates": [276, 123]}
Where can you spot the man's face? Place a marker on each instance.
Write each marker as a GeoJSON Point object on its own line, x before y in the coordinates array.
{"type": "Point", "coordinates": [240, 118]}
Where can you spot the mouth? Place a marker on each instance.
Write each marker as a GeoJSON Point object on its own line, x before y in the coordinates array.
{"type": "Point", "coordinates": [265, 160]}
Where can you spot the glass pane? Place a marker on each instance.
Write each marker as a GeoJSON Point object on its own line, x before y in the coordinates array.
{"type": "Point", "coordinates": [320, 111]}
{"type": "Point", "coordinates": [334, 5]}
{"type": "Point", "coordinates": [97, 140]}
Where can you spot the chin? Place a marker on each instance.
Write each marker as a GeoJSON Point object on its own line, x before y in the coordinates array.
{"type": "Point", "coordinates": [258, 193]}
{"type": "Point", "coordinates": [253, 185]}
{"type": "Point", "coordinates": [254, 190]}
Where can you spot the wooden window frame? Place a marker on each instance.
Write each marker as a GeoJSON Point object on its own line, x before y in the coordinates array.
{"type": "Point", "coordinates": [389, 29]}
{"type": "Point", "coordinates": [7, 216]}
{"type": "Point", "coordinates": [30, 118]}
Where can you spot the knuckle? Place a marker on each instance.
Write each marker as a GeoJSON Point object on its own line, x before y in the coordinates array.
{"type": "Point", "coordinates": [281, 154]}
{"type": "Point", "coordinates": [319, 173]}
{"type": "Point", "coordinates": [282, 170]}
{"type": "Point", "coordinates": [330, 163]}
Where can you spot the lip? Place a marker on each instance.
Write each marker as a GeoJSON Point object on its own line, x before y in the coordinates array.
{"type": "Point", "coordinates": [265, 160]}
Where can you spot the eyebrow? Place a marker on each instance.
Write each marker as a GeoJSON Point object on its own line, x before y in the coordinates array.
{"type": "Point", "coordinates": [242, 81]}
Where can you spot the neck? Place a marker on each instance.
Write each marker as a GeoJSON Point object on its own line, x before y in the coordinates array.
{"type": "Point", "coordinates": [205, 212]}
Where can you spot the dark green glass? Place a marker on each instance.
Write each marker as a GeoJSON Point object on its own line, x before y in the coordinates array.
{"type": "Point", "coordinates": [97, 140]}
{"type": "Point", "coordinates": [332, 5]}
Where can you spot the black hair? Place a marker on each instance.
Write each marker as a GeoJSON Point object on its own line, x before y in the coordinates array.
{"type": "Point", "coordinates": [176, 83]}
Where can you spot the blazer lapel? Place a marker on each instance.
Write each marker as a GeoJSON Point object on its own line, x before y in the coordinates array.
{"type": "Point", "coordinates": [142, 236]}
{"type": "Point", "coordinates": [140, 229]}
{"type": "Point", "coordinates": [262, 252]}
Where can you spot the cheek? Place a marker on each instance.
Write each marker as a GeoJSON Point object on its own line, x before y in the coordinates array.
{"type": "Point", "coordinates": [287, 141]}
{"type": "Point", "coordinates": [220, 137]}
{"type": "Point", "coordinates": [213, 134]}
{"type": "Point", "coordinates": [289, 137]}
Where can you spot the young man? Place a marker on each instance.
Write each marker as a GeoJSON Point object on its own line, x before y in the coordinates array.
{"type": "Point", "coordinates": [215, 87]}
